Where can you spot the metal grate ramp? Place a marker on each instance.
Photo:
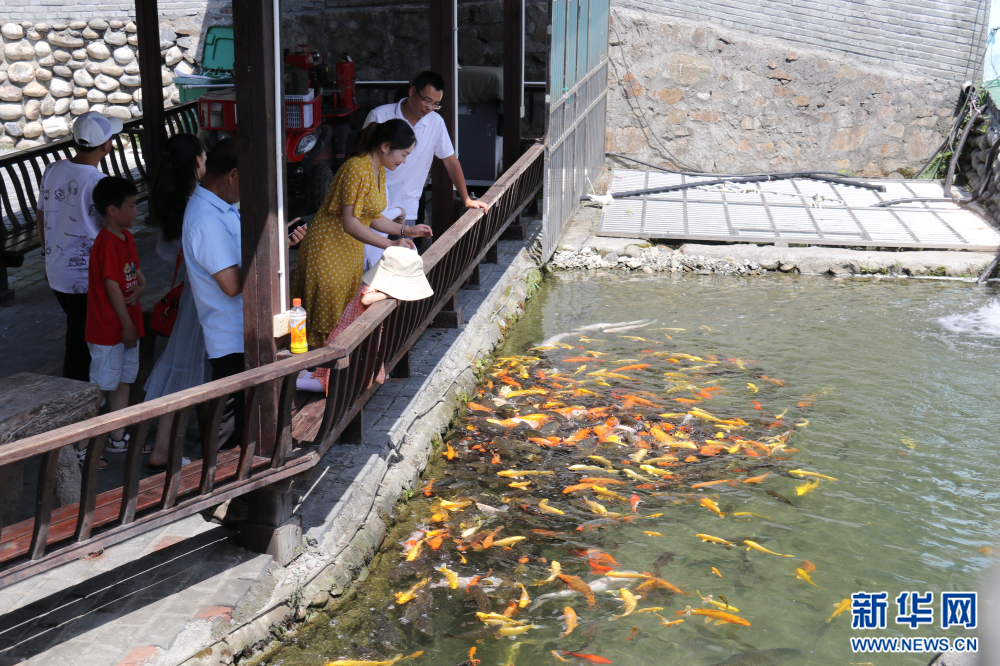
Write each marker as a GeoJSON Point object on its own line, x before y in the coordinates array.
{"type": "Point", "coordinates": [793, 211]}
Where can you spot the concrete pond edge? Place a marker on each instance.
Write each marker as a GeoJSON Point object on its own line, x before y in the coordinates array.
{"type": "Point", "coordinates": [409, 449]}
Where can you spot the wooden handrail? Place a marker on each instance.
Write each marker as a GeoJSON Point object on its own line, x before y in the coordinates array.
{"type": "Point", "coordinates": [380, 336]}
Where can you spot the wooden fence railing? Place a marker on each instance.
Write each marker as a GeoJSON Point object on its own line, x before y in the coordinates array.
{"type": "Point", "coordinates": [382, 335]}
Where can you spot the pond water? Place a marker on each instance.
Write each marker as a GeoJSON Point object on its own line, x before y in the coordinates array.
{"type": "Point", "coordinates": [886, 386]}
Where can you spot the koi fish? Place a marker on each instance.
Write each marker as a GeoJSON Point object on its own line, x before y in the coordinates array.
{"type": "Point", "coordinates": [596, 508]}
{"type": "Point", "coordinates": [602, 460]}
{"type": "Point", "coordinates": [721, 605]}
{"type": "Point", "coordinates": [543, 505]}
{"type": "Point", "coordinates": [658, 472]}
{"type": "Point", "coordinates": [650, 609]}
{"type": "Point", "coordinates": [520, 485]}
{"type": "Point", "coordinates": [668, 623]}
{"type": "Point", "coordinates": [427, 488]}
{"type": "Point", "coordinates": [629, 602]}
{"type": "Point", "coordinates": [604, 492]}
{"type": "Point", "coordinates": [806, 487]}
{"type": "Point", "coordinates": [780, 498]}
{"type": "Point", "coordinates": [756, 479]}
{"type": "Point", "coordinates": [753, 388]}
{"type": "Point", "coordinates": [635, 500]}
{"type": "Point", "coordinates": [555, 653]}
{"type": "Point", "coordinates": [711, 506]}
{"type": "Point", "coordinates": [802, 574]}
{"type": "Point", "coordinates": [776, 382]}
{"type": "Point", "coordinates": [448, 505]}
{"type": "Point", "coordinates": [450, 575]}
{"type": "Point", "coordinates": [651, 533]}
{"type": "Point", "coordinates": [711, 539]}
{"type": "Point", "coordinates": [592, 658]}
{"type": "Point", "coordinates": [555, 568]}
{"type": "Point", "coordinates": [390, 662]}
{"type": "Point", "coordinates": [518, 473]}
{"type": "Point", "coordinates": [525, 599]}
{"type": "Point", "coordinates": [756, 405]}
{"type": "Point", "coordinates": [716, 572]}
{"type": "Point", "coordinates": [842, 606]}
{"type": "Point", "coordinates": [654, 583]}
{"type": "Point", "coordinates": [719, 616]}
{"type": "Point", "coordinates": [403, 597]}
{"type": "Point", "coordinates": [579, 435]}
{"type": "Point", "coordinates": [594, 480]}
{"type": "Point", "coordinates": [515, 631]}
{"type": "Point", "coordinates": [414, 553]}
{"type": "Point", "coordinates": [580, 486]}
{"type": "Point", "coordinates": [627, 368]}
{"type": "Point", "coordinates": [639, 455]}
{"type": "Point", "coordinates": [576, 584]}
{"type": "Point", "coordinates": [591, 468]}
{"type": "Point", "coordinates": [519, 393]}
{"type": "Point", "coordinates": [450, 452]}
{"type": "Point", "coordinates": [582, 359]}
{"type": "Point", "coordinates": [807, 401]}
{"type": "Point", "coordinates": [626, 574]}
{"type": "Point", "coordinates": [759, 548]}
{"type": "Point", "coordinates": [802, 472]}
{"type": "Point", "coordinates": [509, 541]}
{"type": "Point", "coordinates": [496, 618]}
{"type": "Point", "coordinates": [570, 617]}
{"type": "Point", "coordinates": [751, 513]}
{"type": "Point", "coordinates": [706, 484]}
{"type": "Point", "coordinates": [632, 634]}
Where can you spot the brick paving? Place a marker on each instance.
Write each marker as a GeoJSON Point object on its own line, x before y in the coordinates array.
{"type": "Point", "coordinates": [161, 597]}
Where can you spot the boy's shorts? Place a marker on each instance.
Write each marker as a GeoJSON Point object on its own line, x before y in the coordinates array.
{"type": "Point", "coordinates": [113, 365]}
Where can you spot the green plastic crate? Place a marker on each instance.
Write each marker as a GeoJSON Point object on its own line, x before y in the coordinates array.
{"type": "Point", "coordinates": [216, 64]}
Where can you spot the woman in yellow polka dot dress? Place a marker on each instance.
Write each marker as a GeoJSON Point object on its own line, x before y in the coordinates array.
{"type": "Point", "coordinates": [329, 266]}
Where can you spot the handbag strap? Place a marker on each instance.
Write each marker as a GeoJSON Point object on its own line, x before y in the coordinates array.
{"type": "Point", "coordinates": [177, 267]}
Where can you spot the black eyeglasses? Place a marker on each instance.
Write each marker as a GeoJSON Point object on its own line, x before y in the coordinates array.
{"type": "Point", "coordinates": [428, 102]}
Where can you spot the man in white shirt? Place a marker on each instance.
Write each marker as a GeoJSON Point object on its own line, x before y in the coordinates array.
{"type": "Point", "coordinates": [406, 183]}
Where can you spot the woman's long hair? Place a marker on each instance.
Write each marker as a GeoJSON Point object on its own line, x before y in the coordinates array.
{"type": "Point", "coordinates": [396, 132]}
{"type": "Point", "coordinates": [175, 179]}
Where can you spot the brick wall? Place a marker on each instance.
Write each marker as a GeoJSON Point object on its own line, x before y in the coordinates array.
{"type": "Point", "coordinates": [942, 39]}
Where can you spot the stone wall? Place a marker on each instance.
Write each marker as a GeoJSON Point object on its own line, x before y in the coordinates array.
{"type": "Point", "coordinates": [52, 72]}
{"type": "Point", "coordinates": [391, 40]}
{"type": "Point", "coordinates": [714, 99]}
{"type": "Point", "coordinates": [942, 39]}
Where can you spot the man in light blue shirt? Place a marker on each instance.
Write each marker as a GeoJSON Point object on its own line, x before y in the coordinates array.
{"type": "Point", "coordinates": [213, 252]}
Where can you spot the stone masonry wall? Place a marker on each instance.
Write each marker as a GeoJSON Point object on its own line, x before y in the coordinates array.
{"type": "Point", "coordinates": [391, 40]}
{"type": "Point", "coordinates": [720, 100]}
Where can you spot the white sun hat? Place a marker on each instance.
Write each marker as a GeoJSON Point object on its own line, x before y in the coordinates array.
{"type": "Point", "coordinates": [93, 129]}
{"type": "Point", "coordinates": [400, 275]}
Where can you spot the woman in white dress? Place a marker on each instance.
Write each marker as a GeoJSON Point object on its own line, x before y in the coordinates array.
{"type": "Point", "coordinates": [184, 363]}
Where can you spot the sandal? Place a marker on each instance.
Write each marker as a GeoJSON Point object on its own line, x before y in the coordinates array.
{"type": "Point", "coordinates": [81, 457]}
{"type": "Point", "coordinates": [156, 469]}
{"type": "Point", "coordinates": [117, 445]}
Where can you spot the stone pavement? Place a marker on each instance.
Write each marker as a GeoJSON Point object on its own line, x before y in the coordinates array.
{"type": "Point", "coordinates": [165, 596]}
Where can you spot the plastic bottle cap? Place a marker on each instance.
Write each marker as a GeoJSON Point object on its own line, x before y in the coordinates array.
{"type": "Point", "coordinates": [296, 302]}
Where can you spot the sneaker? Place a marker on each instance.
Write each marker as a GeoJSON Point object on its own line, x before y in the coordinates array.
{"type": "Point", "coordinates": [81, 457]}
{"type": "Point", "coordinates": [117, 445]}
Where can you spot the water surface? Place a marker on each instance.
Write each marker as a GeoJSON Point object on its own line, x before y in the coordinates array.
{"type": "Point", "coordinates": [888, 386]}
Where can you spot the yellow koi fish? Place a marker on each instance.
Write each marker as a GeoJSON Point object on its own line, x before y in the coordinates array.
{"type": "Point", "coordinates": [517, 473]}
{"type": "Point", "coordinates": [650, 533]}
{"type": "Point", "coordinates": [525, 599]}
{"type": "Point", "coordinates": [842, 606]}
{"type": "Point", "coordinates": [455, 506]}
{"type": "Point", "coordinates": [591, 468]}
{"type": "Point", "coordinates": [802, 575]}
{"type": "Point", "coordinates": [543, 505]}
{"type": "Point", "coordinates": [496, 618]}
{"type": "Point", "coordinates": [759, 548]}
{"type": "Point", "coordinates": [509, 541]}
{"type": "Point", "coordinates": [802, 472]}
{"type": "Point", "coordinates": [651, 609]}
{"type": "Point", "coordinates": [655, 471]}
{"type": "Point", "coordinates": [751, 513]}
{"type": "Point", "coordinates": [414, 552]}
{"type": "Point", "coordinates": [629, 602]}
{"type": "Point", "coordinates": [450, 575]}
{"type": "Point", "coordinates": [355, 662]}
{"type": "Point", "coordinates": [717, 572]}
{"type": "Point", "coordinates": [520, 485]}
{"type": "Point", "coordinates": [668, 623]}
{"type": "Point", "coordinates": [711, 506]}
{"type": "Point", "coordinates": [638, 456]}
{"type": "Point", "coordinates": [753, 389]}
{"type": "Point", "coordinates": [555, 568]}
{"type": "Point", "coordinates": [636, 475]}
{"type": "Point", "coordinates": [804, 423]}
{"type": "Point", "coordinates": [514, 631]}
{"type": "Point", "coordinates": [711, 539]}
{"type": "Point", "coordinates": [625, 574]}
{"type": "Point", "coordinates": [403, 597]}
{"type": "Point", "coordinates": [806, 487]}
{"type": "Point", "coordinates": [570, 616]}
{"type": "Point", "coordinates": [604, 492]}
{"type": "Point", "coordinates": [597, 507]}
{"type": "Point", "coordinates": [602, 460]}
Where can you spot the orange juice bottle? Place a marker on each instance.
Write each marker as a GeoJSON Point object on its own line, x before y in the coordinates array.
{"type": "Point", "coordinates": [297, 327]}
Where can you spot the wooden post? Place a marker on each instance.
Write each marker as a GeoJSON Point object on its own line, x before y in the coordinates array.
{"type": "Point", "coordinates": [154, 132]}
{"type": "Point", "coordinates": [444, 31]}
{"type": "Point", "coordinates": [513, 79]}
{"type": "Point", "coordinates": [450, 315]}
{"type": "Point", "coordinates": [259, 142]}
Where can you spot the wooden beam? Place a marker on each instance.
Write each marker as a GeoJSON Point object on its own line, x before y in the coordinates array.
{"type": "Point", "coordinates": [444, 60]}
{"type": "Point", "coordinates": [154, 132]}
{"type": "Point", "coordinates": [259, 141]}
{"type": "Point", "coordinates": [513, 79]}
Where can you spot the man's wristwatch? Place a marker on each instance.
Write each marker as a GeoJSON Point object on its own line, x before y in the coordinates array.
{"type": "Point", "coordinates": [402, 230]}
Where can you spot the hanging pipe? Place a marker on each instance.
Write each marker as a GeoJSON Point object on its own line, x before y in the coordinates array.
{"type": "Point", "coordinates": [744, 179]}
{"type": "Point", "coordinates": [973, 117]}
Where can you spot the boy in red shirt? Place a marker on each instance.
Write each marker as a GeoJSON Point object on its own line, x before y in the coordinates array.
{"type": "Point", "coordinates": [114, 316]}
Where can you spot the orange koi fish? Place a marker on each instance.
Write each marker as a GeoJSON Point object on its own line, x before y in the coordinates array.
{"type": "Point", "coordinates": [635, 500]}
{"type": "Point", "coordinates": [575, 488]}
{"type": "Point", "coordinates": [756, 405]}
{"type": "Point", "coordinates": [570, 616]}
{"type": "Point", "coordinates": [576, 584]}
{"type": "Point", "coordinates": [579, 435]}
{"type": "Point", "coordinates": [706, 484]}
{"type": "Point", "coordinates": [687, 401]}
{"type": "Point", "coordinates": [592, 658]}
{"type": "Point", "coordinates": [428, 487]}
{"type": "Point", "coordinates": [582, 359]}
{"type": "Point", "coordinates": [637, 366]}
{"type": "Point", "coordinates": [807, 401]}
{"type": "Point", "coordinates": [476, 407]}
{"type": "Point", "coordinates": [654, 583]}
{"type": "Point", "coordinates": [602, 481]}
{"type": "Point", "coordinates": [777, 382]}
{"type": "Point", "coordinates": [719, 616]}
{"type": "Point", "coordinates": [756, 479]}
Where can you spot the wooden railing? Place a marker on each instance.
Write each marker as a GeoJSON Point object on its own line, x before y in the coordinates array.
{"type": "Point", "coordinates": [382, 335]}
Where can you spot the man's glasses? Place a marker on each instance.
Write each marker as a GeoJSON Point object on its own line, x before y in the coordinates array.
{"type": "Point", "coordinates": [429, 103]}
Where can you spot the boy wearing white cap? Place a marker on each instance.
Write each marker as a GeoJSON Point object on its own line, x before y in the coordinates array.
{"type": "Point", "coordinates": [68, 223]}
